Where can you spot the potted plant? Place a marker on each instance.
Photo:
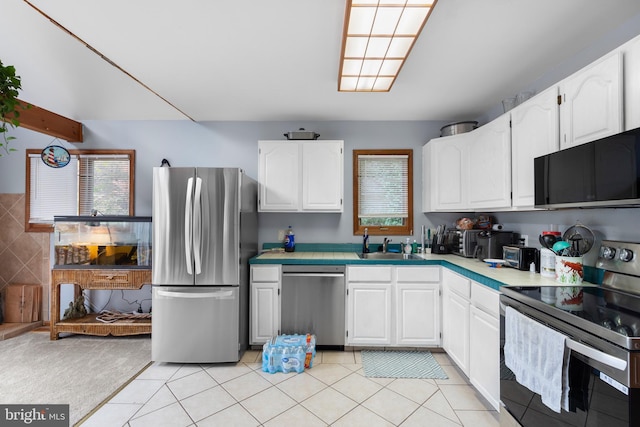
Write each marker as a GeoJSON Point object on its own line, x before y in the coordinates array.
{"type": "Point", "coordinates": [9, 104]}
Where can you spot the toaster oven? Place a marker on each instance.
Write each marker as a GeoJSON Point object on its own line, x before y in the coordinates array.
{"type": "Point", "coordinates": [521, 257]}
{"type": "Point", "coordinates": [463, 242]}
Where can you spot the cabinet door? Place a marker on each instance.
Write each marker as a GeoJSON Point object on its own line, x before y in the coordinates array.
{"type": "Point", "coordinates": [455, 328]}
{"type": "Point", "coordinates": [278, 176]}
{"type": "Point", "coordinates": [369, 314]}
{"type": "Point", "coordinates": [484, 367]}
{"type": "Point", "coordinates": [264, 303]}
{"type": "Point", "coordinates": [490, 165]}
{"type": "Point", "coordinates": [534, 133]}
{"type": "Point", "coordinates": [265, 312]}
{"type": "Point", "coordinates": [322, 176]}
{"type": "Point", "coordinates": [418, 314]}
{"type": "Point", "coordinates": [449, 172]}
{"type": "Point", "coordinates": [592, 102]}
{"type": "Point", "coordinates": [631, 53]}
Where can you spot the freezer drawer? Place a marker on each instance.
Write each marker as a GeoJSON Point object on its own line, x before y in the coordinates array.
{"type": "Point", "coordinates": [195, 324]}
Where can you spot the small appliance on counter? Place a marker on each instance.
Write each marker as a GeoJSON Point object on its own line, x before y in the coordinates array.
{"type": "Point", "coordinates": [521, 257]}
{"type": "Point", "coordinates": [463, 242]}
{"type": "Point", "coordinates": [491, 242]}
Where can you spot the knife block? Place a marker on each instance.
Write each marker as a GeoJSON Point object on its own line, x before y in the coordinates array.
{"type": "Point", "coordinates": [439, 248]}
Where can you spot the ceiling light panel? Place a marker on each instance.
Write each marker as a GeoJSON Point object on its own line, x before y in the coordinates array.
{"type": "Point", "coordinates": [377, 39]}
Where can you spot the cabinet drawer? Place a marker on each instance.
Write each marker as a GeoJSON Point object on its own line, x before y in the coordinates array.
{"type": "Point", "coordinates": [485, 298]}
{"type": "Point", "coordinates": [265, 274]}
{"type": "Point", "coordinates": [458, 284]}
{"type": "Point", "coordinates": [110, 277]}
{"type": "Point", "coordinates": [369, 274]}
{"type": "Point", "coordinates": [418, 274]}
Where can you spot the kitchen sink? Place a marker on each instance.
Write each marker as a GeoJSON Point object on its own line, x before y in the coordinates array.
{"type": "Point", "coordinates": [388, 255]}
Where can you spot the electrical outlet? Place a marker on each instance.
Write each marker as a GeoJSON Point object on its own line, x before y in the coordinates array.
{"type": "Point", "coordinates": [525, 239]}
{"type": "Point", "coordinates": [280, 235]}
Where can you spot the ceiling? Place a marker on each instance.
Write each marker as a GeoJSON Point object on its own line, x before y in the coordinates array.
{"type": "Point", "coordinates": [277, 60]}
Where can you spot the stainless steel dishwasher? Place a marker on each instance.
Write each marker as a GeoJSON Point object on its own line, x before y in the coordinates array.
{"type": "Point", "coordinates": [313, 301]}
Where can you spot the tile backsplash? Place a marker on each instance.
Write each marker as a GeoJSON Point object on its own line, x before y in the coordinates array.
{"type": "Point", "coordinates": [24, 257]}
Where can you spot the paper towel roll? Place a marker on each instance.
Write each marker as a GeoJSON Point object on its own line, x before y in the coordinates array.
{"type": "Point", "coordinates": [497, 227]}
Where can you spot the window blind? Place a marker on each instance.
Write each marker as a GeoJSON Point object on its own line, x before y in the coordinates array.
{"type": "Point", "coordinates": [104, 184]}
{"type": "Point", "coordinates": [53, 191]}
{"type": "Point", "coordinates": [88, 182]}
{"type": "Point", "coordinates": [383, 186]}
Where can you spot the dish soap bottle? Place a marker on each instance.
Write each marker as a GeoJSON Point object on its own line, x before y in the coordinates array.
{"type": "Point", "coordinates": [289, 241]}
{"type": "Point", "coordinates": [407, 247]}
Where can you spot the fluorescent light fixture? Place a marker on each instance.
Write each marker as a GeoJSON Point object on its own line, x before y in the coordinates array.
{"type": "Point", "coordinates": [377, 38]}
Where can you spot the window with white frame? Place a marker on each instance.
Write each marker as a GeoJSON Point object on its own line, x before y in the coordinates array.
{"type": "Point", "coordinates": [94, 181]}
{"type": "Point", "coordinates": [383, 192]}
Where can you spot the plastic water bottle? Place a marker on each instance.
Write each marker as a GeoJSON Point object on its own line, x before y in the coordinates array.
{"type": "Point", "coordinates": [289, 241]}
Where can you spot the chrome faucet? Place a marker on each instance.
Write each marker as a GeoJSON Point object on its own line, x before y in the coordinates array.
{"type": "Point", "coordinates": [385, 244]}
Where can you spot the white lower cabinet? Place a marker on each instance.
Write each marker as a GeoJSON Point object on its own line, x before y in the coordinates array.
{"type": "Point", "coordinates": [393, 306]}
{"type": "Point", "coordinates": [417, 305]}
{"type": "Point", "coordinates": [484, 369]}
{"type": "Point", "coordinates": [264, 303]}
{"type": "Point", "coordinates": [455, 318]}
{"type": "Point", "coordinates": [484, 366]}
{"type": "Point", "coordinates": [471, 332]}
{"type": "Point", "coordinates": [369, 305]}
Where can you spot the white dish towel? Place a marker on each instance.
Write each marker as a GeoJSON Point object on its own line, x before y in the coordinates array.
{"type": "Point", "coordinates": [538, 357]}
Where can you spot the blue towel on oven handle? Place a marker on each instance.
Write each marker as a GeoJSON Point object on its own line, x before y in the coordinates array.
{"type": "Point", "coordinates": [538, 357]}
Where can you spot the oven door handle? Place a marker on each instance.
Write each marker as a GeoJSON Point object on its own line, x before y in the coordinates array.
{"type": "Point", "coordinates": [596, 355]}
{"type": "Point", "coordinates": [587, 351]}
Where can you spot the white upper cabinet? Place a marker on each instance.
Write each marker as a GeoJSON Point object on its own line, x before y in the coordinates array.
{"type": "Point", "coordinates": [534, 133]}
{"type": "Point", "coordinates": [631, 55]}
{"type": "Point", "coordinates": [489, 179]}
{"type": "Point", "coordinates": [445, 164]}
{"type": "Point", "coordinates": [591, 105]}
{"type": "Point", "coordinates": [279, 176]}
{"type": "Point", "coordinates": [301, 176]}
{"type": "Point", "coordinates": [469, 171]}
{"type": "Point", "coordinates": [322, 180]}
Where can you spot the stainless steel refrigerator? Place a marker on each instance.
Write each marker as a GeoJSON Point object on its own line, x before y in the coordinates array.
{"type": "Point", "coordinates": [205, 229]}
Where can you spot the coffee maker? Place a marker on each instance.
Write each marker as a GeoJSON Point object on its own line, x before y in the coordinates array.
{"type": "Point", "coordinates": [490, 243]}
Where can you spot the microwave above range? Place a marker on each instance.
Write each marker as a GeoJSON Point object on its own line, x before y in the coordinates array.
{"type": "Point", "coordinates": [601, 173]}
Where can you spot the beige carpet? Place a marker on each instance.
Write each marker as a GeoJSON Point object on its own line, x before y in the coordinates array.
{"type": "Point", "coordinates": [78, 370]}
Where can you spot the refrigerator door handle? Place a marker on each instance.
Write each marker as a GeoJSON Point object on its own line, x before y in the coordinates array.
{"type": "Point", "coordinates": [197, 233]}
{"type": "Point", "coordinates": [215, 294]}
{"type": "Point", "coordinates": [188, 210]}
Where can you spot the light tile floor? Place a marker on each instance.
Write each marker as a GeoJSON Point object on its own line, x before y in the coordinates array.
{"type": "Point", "coordinates": [333, 392]}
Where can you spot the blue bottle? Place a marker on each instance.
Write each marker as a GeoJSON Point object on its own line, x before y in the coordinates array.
{"type": "Point", "coordinates": [289, 241]}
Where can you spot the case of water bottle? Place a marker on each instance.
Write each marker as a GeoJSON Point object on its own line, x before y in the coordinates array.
{"type": "Point", "coordinates": [288, 353]}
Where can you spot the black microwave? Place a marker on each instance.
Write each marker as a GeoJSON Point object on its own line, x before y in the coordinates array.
{"type": "Point", "coordinates": [601, 173]}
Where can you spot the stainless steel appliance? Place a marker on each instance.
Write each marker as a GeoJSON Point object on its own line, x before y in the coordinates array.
{"type": "Point", "coordinates": [463, 242]}
{"type": "Point", "coordinates": [604, 342]}
{"type": "Point", "coordinates": [605, 172]}
{"type": "Point", "coordinates": [313, 301]}
{"type": "Point", "coordinates": [491, 242]}
{"type": "Point", "coordinates": [204, 232]}
{"type": "Point", "coordinates": [521, 257]}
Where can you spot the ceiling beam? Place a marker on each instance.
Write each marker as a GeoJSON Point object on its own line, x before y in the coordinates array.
{"type": "Point", "coordinates": [44, 121]}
